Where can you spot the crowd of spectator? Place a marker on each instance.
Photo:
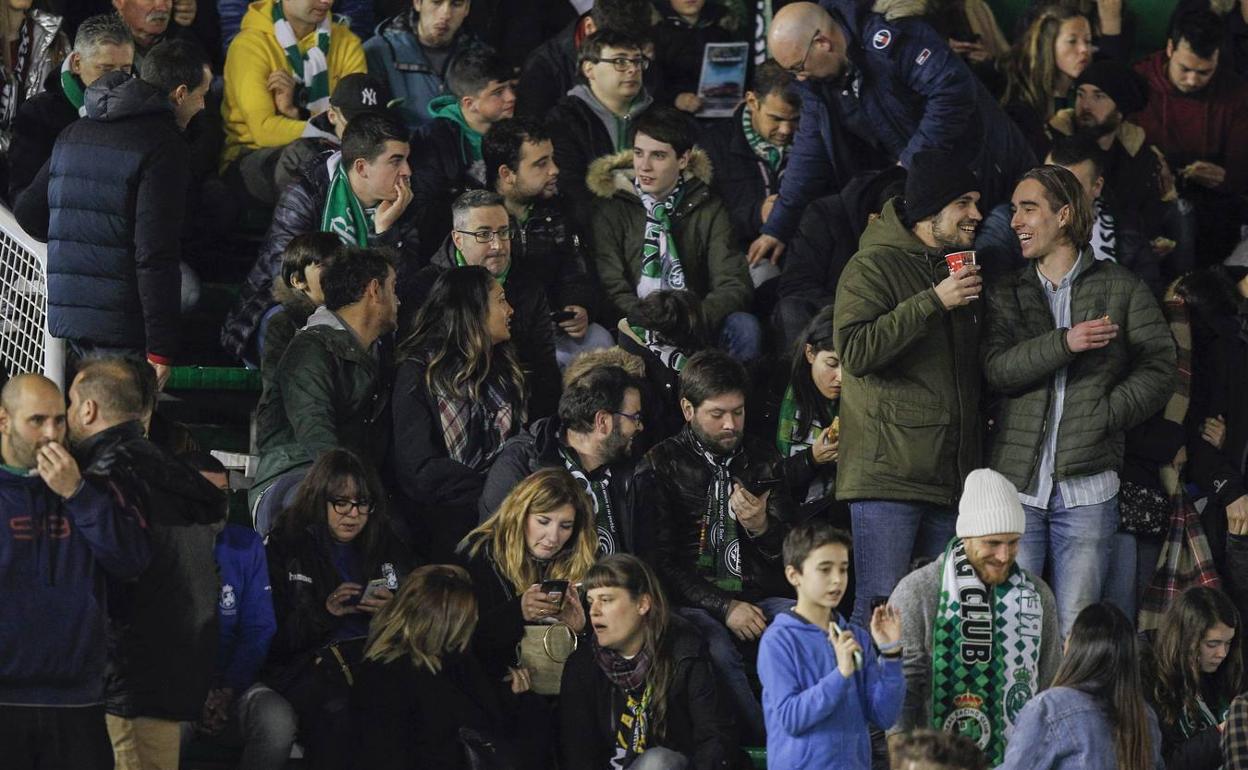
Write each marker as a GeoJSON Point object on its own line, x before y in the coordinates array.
{"type": "Point", "coordinates": [893, 419]}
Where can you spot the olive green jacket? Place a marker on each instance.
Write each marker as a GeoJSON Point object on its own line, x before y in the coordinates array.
{"type": "Point", "coordinates": [910, 376]}
{"type": "Point", "coordinates": [1108, 390]}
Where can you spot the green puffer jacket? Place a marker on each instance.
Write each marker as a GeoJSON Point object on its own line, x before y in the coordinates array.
{"type": "Point", "coordinates": [715, 268]}
{"type": "Point", "coordinates": [1108, 390]}
{"type": "Point", "coordinates": [909, 373]}
{"type": "Point", "coordinates": [327, 392]}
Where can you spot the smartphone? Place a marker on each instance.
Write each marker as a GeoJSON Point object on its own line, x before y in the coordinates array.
{"type": "Point", "coordinates": [555, 590]}
{"type": "Point", "coordinates": [965, 37]}
{"type": "Point", "coordinates": [759, 487]}
{"type": "Point", "coordinates": [373, 588]}
{"type": "Point", "coordinates": [559, 316]}
{"type": "Point", "coordinates": [857, 653]}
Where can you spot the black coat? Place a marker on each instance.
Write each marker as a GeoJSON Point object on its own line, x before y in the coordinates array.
{"type": "Point", "coordinates": [547, 75]}
{"type": "Point", "coordinates": [699, 722]}
{"type": "Point", "coordinates": [39, 121]}
{"type": "Point", "coordinates": [117, 186]}
{"type": "Point", "coordinates": [673, 479]}
{"type": "Point", "coordinates": [537, 448]}
{"type": "Point", "coordinates": [500, 624]}
{"type": "Point", "coordinates": [299, 211]}
{"type": "Point", "coordinates": [742, 179]}
{"type": "Point", "coordinates": [1219, 382]}
{"type": "Point", "coordinates": [680, 47]}
{"type": "Point", "coordinates": [547, 249]}
{"type": "Point", "coordinates": [440, 173]}
{"type": "Point", "coordinates": [163, 631]}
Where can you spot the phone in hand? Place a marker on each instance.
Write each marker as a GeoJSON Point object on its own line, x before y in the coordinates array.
{"type": "Point", "coordinates": [559, 316]}
{"type": "Point", "coordinates": [555, 590]}
{"type": "Point", "coordinates": [759, 487]}
{"type": "Point", "coordinates": [857, 653]}
{"type": "Point", "coordinates": [374, 588]}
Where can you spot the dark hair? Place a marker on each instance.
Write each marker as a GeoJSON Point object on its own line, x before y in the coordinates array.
{"type": "Point", "coordinates": [1062, 188]}
{"type": "Point", "coordinates": [712, 373]}
{"type": "Point", "coordinates": [676, 316]}
{"type": "Point", "coordinates": [601, 389]}
{"type": "Point", "coordinates": [811, 404]}
{"type": "Point", "coordinates": [1077, 148]}
{"type": "Point", "coordinates": [1102, 661]}
{"type": "Point", "coordinates": [450, 337]}
{"type": "Point", "coordinates": [1201, 28]}
{"type": "Point", "coordinates": [665, 124]}
{"type": "Point", "coordinates": [809, 535]}
{"type": "Point", "coordinates": [309, 509]}
{"type": "Point", "coordinates": [609, 37]}
{"type": "Point", "coordinates": [172, 63]}
{"type": "Point", "coordinates": [771, 78]}
{"type": "Point", "coordinates": [631, 17]}
{"type": "Point", "coordinates": [116, 384]}
{"type": "Point", "coordinates": [1178, 681]}
{"type": "Point", "coordinates": [101, 29]}
{"type": "Point", "coordinates": [1209, 294]}
{"type": "Point", "coordinates": [202, 462]}
{"type": "Point", "coordinates": [366, 135]}
{"type": "Point", "coordinates": [935, 750]}
{"type": "Point", "coordinates": [316, 248]}
{"type": "Point", "coordinates": [504, 143]}
{"type": "Point", "coordinates": [472, 69]}
{"type": "Point", "coordinates": [345, 279]}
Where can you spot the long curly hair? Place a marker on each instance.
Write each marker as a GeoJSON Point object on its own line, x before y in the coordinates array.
{"type": "Point", "coordinates": [1031, 68]}
{"type": "Point", "coordinates": [1177, 653]}
{"type": "Point", "coordinates": [542, 492]}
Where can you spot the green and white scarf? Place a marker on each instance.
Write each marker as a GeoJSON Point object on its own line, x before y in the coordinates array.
{"type": "Point", "coordinates": [312, 68]}
{"type": "Point", "coordinates": [719, 547]}
{"type": "Point", "coordinates": [789, 438]}
{"type": "Point", "coordinates": [985, 652]}
{"type": "Point", "coordinates": [772, 155]}
{"type": "Point", "coordinates": [1189, 726]}
{"type": "Point", "coordinates": [660, 264]}
{"type": "Point", "coordinates": [599, 492]}
{"type": "Point", "coordinates": [74, 91]}
{"type": "Point", "coordinates": [344, 215]}
{"type": "Point", "coordinates": [668, 354]}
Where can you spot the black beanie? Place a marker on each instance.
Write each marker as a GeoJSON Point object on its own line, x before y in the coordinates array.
{"type": "Point", "coordinates": [1126, 88]}
{"type": "Point", "coordinates": [934, 180]}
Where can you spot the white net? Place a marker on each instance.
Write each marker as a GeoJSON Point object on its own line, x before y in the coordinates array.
{"type": "Point", "coordinates": [24, 343]}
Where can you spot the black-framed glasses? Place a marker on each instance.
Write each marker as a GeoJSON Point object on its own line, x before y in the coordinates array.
{"type": "Point", "coordinates": [624, 63]}
{"type": "Point", "coordinates": [343, 506]}
{"type": "Point", "coordinates": [800, 67]}
{"type": "Point", "coordinates": [634, 416]}
{"type": "Point", "coordinates": [485, 236]}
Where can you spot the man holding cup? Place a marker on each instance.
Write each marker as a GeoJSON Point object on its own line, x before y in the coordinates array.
{"type": "Point", "coordinates": [908, 335]}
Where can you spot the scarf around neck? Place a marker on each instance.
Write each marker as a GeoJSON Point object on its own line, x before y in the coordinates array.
{"type": "Point", "coordinates": [72, 87]}
{"type": "Point", "coordinates": [1189, 725]}
{"type": "Point", "coordinates": [629, 676]}
{"type": "Point", "coordinates": [660, 262]}
{"type": "Point", "coordinates": [668, 354]}
{"type": "Point", "coordinates": [474, 429]}
{"type": "Point", "coordinates": [719, 546]}
{"type": "Point", "coordinates": [985, 652]}
{"type": "Point", "coordinates": [599, 492]}
{"type": "Point", "coordinates": [773, 155]}
{"type": "Point", "coordinates": [344, 215]}
{"type": "Point", "coordinates": [789, 437]}
{"type": "Point", "coordinates": [461, 262]}
{"type": "Point", "coordinates": [1104, 239]}
{"type": "Point", "coordinates": [311, 69]}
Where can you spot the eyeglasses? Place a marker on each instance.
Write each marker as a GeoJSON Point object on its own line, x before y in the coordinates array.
{"type": "Point", "coordinates": [344, 506]}
{"type": "Point", "coordinates": [485, 236]}
{"type": "Point", "coordinates": [624, 64]}
{"type": "Point", "coordinates": [800, 67]}
{"type": "Point", "coordinates": [635, 416]}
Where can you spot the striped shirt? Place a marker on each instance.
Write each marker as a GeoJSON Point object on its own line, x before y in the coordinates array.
{"type": "Point", "coordinates": [1083, 490]}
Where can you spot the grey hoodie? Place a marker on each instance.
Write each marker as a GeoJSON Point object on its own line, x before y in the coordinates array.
{"type": "Point", "coordinates": [615, 125]}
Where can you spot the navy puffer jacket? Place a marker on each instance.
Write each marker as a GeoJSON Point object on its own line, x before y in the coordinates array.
{"type": "Point", "coordinates": [117, 197]}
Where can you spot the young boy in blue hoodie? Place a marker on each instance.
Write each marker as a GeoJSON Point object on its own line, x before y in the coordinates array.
{"type": "Point", "coordinates": [824, 678]}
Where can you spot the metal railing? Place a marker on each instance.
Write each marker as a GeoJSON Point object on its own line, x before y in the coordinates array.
{"type": "Point", "coordinates": [25, 344]}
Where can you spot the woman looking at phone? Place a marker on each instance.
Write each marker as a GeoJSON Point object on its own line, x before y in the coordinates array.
{"type": "Point", "coordinates": [643, 693]}
{"type": "Point", "coordinates": [543, 531]}
{"type": "Point", "coordinates": [323, 552]}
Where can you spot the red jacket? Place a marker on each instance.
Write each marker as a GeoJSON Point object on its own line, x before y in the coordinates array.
{"type": "Point", "coordinates": [1211, 125]}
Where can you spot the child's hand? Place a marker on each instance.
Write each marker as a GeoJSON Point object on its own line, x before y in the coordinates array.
{"type": "Point", "coordinates": [886, 625]}
{"type": "Point", "coordinates": [845, 645]}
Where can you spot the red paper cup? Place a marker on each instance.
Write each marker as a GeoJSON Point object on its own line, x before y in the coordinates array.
{"type": "Point", "coordinates": [958, 259]}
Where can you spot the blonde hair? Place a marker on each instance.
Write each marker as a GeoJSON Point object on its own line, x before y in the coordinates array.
{"type": "Point", "coordinates": [434, 614]}
{"type": "Point", "coordinates": [542, 492]}
{"type": "Point", "coordinates": [1031, 69]}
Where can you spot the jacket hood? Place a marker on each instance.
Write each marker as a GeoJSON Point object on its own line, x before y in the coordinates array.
{"type": "Point", "coordinates": [887, 231]}
{"type": "Point", "coordinates": [1222, 87]}
{"type": "Point", "coordinates": [447, 106]}
{"type": "Point", "coordinates": [323, 316]}
{"type": "Point", "coordinates": [1129, 135]}
{"type": "Point", "coordinates": [259, 17]}
{"type": "Point", "coordinates": [117, 96]}
{"type": "Point", "coordinates": [789, 620]}
{"type": "Point", "coordinates": [892, 10]}
{"type": "Point", "coordinates": [614, 173]}
{"type": "Point", "coordinates": [547, 434]}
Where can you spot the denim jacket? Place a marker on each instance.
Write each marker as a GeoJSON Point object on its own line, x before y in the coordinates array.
{"type": "Point", "coordinates": [1067, 729]}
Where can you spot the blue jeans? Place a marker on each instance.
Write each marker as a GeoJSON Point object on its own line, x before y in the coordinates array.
{"type": "Point", "coordinates": [728, 661]}
{"type": "Point", "coordinates": [1075, 544]}
{"type": "Point", "coordinates": [741, 336]}
{"type": "Point", "coordinates": [567, 348]}
{"type": "Point", "coordinates": [888, 536]}
{"type": "Point", "coordinates": [262, 723]}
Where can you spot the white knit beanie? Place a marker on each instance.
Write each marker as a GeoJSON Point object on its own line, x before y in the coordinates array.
{"type": "Point", "coordinates": [989, 506]}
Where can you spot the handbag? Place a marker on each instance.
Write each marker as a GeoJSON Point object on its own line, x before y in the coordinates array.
{"type": "Point", "coordinates": [483, 752]}
{"type": "Point", "coordinates": [543, 650]}
{"type": "Point", "coordinates": [1143, 511]}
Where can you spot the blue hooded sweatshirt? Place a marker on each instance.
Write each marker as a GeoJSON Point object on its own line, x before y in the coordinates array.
{"type": "Point", "coordinates": [245, 609]}
{"type": "Point", "coordinates": [53, 558]}
{"type": "Point", "coordinates": [816, 717]}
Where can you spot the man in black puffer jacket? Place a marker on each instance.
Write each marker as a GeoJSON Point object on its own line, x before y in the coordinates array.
{"type": "Point", "coordinates": [162, 639]}
{"type": "Point", "coordinates": [116, 191]}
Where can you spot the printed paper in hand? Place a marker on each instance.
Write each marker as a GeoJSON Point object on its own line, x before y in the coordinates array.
{"type": "Point", "coordinates": [722, 86]}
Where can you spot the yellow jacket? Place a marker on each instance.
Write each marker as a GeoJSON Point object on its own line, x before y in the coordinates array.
{"type": "Point", "coordinates": [251, 119]}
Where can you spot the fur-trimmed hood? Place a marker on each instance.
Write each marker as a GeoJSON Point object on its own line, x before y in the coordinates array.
{"type": "Point", "coordinates": [613, 174]}
{"type": "Point", "coordinates": [1128, 134]}
{"type": "Point", "coordinates": [899, 9]}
